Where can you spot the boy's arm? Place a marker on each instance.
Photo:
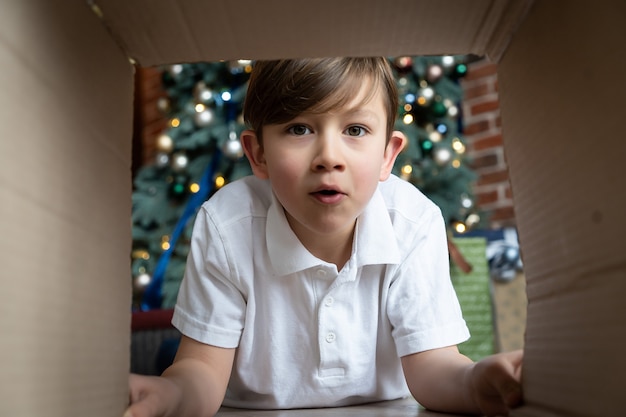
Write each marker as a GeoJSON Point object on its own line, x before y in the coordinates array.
{"type": "Point", "coordinates": [445, 380]}
{"type": "Point", "coordinates": [194, 385]}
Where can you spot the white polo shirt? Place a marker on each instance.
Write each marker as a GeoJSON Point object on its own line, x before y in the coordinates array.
{"type": "Point", "coordinates": [306, 334]}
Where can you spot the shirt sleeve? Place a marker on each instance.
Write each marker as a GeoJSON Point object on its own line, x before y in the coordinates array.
{"type": "Point", "coordinates": [422, 304]}
{"type": "Point", "coordinates": [210, 307]}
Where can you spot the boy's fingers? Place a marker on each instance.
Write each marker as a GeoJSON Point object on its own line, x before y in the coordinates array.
{"type": "Point", "coordinates": [515, 357]}
{"type": "Point", "coordinates": [509, 385]}
{"type": "Point", "coordinates": [146, 407]}
{"type": "Point", "coordinates": [142, 400]}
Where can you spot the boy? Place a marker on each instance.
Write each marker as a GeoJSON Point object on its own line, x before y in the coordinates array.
{"type": "Point", "coordinates": [322, 280]}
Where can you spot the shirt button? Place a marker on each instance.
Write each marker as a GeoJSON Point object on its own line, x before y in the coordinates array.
{"type": "Point", "coordinates": [330, 337]}
{"type": "Point", "coordinates": [321, 272]}
{"type": "Point", "coordinates": [329, 301]}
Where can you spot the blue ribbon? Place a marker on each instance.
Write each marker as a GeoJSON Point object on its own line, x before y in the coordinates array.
{"type": "Point", "coordinates": [153, 295]}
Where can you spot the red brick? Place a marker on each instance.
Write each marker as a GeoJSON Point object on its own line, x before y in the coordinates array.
{"type": "Point", "coordinates": [476, 127]}
{"type": "Point", "coordinates": [485, 107]}
{"type": "Point", "coordinates": [151, 77]}
{"type": "Point", "coordinates": [478, 90]}
{"type": "Point", "coordinates": [503, 213]}
{"type": "Point", "coordinates": [148, 84]}
{"type": "Point", "coordinates": [484, 161]}
{"type": "Point", "coordinates": [487, 198]}
{"type": "Point", "coordinates": [494, 141]}
{"type": "Point", "coordinates": [493, 178]}
{"type": "Point", "coordinates": [151, 113]}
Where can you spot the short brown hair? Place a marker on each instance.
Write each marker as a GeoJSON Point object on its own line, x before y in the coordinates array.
{"type": "Point", "coordinates": [283, 89]}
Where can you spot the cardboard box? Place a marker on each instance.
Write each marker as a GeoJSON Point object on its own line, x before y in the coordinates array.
{"type": "Point", "coordinates": [65, 184]}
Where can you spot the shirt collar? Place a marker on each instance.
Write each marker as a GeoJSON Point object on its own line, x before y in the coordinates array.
{"type": "Point", "coordinates": [286, 253]}
{"type": "Point", "coordinates": [374, 243]}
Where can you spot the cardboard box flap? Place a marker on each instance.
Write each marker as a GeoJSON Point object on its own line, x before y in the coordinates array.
{"type": "Point", "coordinates": [192, 30]}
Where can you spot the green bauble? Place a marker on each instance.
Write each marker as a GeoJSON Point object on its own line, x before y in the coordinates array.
{"type": "Point", "coordinates": [439, 109]}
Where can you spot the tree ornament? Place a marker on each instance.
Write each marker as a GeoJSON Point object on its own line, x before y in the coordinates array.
{"type": "Point", "coordinates": [472, 219]}
{"type": "Point", "coordinates": [403, 63]}
{"type": "Point", "coordinates": [141, 281]}
{"type": "Point", "coordinates": [226, 95]}
{"type": "Point", "coordinates": [447, 61]}
{"type": "Point", "coordinates": [179, 162]}
{"type": "Point", "coordinates": [460, 71]}
{"type": "Point", "coordinates": [435, 136]}
{"type": "Point", "coordinates": [178, 187]}
{"type": "Point", "coordinates": [425, 96]}
{"type": "Point", "coordinates": [165, 143]}
{"type": "Point", "coordinates": [232, 148]}
{"type": "Point", "coordinates": [439, 109]}
{"type": "Point", "coordinates": [175, 70]}
{"type": "Point", "coordinates": [204, 118]}
{"type": "Point", "coordinates": [163, 105]}
{"type": "Point", "coordinates": [203, 94]}
{"type": "Point", "coordinates": [442, 155]}
{"type": "Point", "coordinates": [161, 160]}
{"type": "Point", "coordinates": [427, 146]}
{"type": "Point", "coordinates": [434, 73]}
{"type": "Point", "coordinates": [466, 202]}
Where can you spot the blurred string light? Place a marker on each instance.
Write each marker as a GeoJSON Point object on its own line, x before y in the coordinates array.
{"type": "Point", "coordinates": [459, 227]}
{"type": "Point", "coordinates": [165, 242]}
{"type": "Point", "coordinates": [194, 187]}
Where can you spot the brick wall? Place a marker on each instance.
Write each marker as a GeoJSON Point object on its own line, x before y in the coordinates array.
{"type": "Point", "coordinates": [481, 118]}
{"type": "Point", "coordinates": [149, 121]}
{"type": "Point", "coordinates": [482, 133]}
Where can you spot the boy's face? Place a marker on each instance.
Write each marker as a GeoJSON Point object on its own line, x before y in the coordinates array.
{"type": "Point", "coordinates": [324, 168]}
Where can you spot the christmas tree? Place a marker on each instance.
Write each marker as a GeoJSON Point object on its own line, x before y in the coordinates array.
{"type": "Point", "coordinates": [199, 152]}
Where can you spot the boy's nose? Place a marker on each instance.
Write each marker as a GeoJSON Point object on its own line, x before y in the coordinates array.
{"type": "Point", "coordinates": [328, 155]}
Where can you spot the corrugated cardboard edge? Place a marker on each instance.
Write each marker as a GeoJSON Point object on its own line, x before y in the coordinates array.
{"type": "Point", "coordinates": [500, 26]}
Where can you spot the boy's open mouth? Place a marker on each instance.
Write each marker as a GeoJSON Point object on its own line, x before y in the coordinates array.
{"type": "Point", "coordinates": [328, 192]}
{"type": "Point", "coordinates": [328, 196]}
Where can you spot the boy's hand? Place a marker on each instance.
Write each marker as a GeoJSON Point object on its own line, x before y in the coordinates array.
{"type": "Point", "coordinates": [495, 383]}
{"type": "Point", "coordinates": [151, 396]}
{"type": "Point", "coordinates": [194, 385]}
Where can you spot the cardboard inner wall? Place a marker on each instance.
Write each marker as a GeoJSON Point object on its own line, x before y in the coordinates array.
{"type": "Point", "coordinates": [563, 107]}
{"type": "Point", "coordinates": [65, 173]}
{"type": "Point", "coordinates": [66, 117]}
{"type": "Point", "coordinates": [192, 30]}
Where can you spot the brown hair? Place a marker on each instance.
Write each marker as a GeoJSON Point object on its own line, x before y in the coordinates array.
{"type": "Point", "coordinates": [281, 90]}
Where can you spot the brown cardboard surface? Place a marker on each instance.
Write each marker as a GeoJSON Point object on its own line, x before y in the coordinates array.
{"type": "Point", "coordinates": [191, 30]}
{"type": "Point", "coordinates": [66, 115]}
{"type": "Point", "coordinates": [65, 173]}
{"type": "Point", "coordinates": [563, 108]}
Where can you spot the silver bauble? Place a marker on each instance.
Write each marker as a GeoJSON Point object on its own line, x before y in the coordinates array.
{"type": "Point", "coordinates": [204, 118]}
{"type": "Point", "coordinates": [232, 148]}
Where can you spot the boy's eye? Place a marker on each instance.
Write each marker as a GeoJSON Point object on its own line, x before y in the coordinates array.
{"type": "Point", "coordinates": [299, 130]}
{"type": "Point", "coordinates": [355, 131]}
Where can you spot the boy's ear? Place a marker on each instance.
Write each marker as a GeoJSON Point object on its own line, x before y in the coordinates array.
{"type": "Point", "coordinates": [254, 152]}
{"type": "Point", "coordinates": [396, 144]}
